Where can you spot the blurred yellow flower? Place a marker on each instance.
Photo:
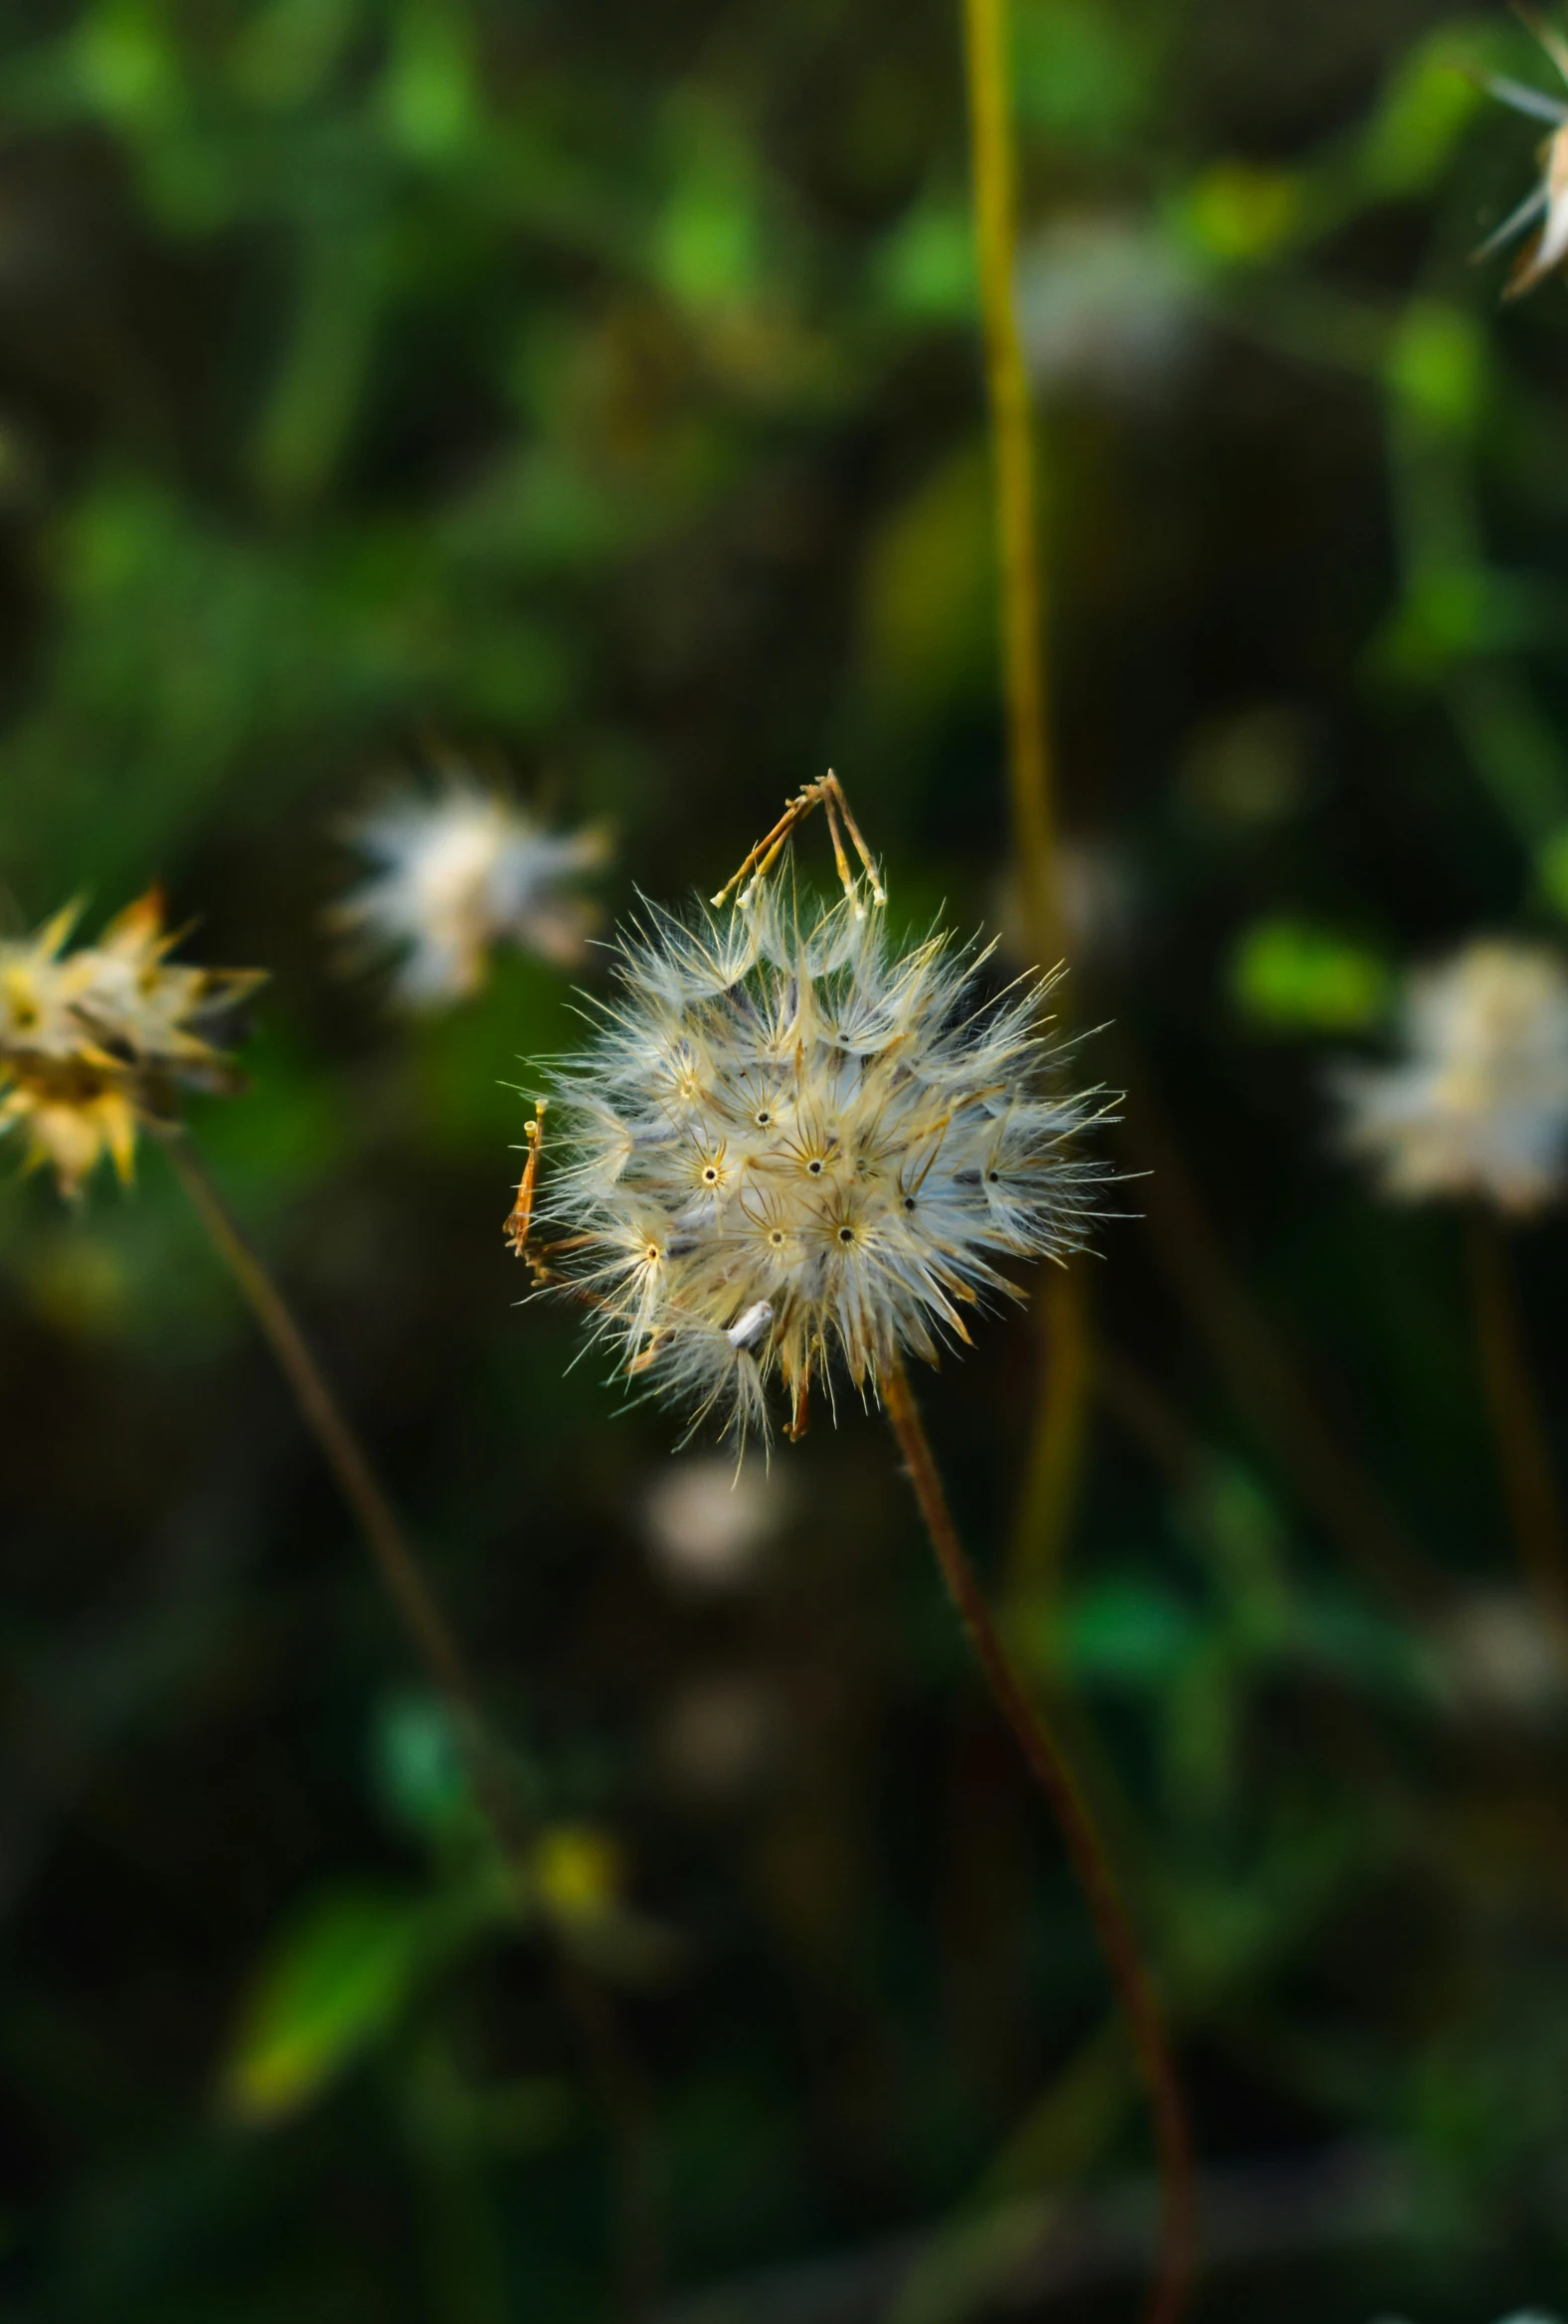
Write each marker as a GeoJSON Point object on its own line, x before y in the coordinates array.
{"type": "Point", "coordinates": [95, 1040]}
{"type": "Point", "coordinates": [578, 1870]}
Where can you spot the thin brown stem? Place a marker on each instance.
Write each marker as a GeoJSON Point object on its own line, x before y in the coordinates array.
{"type": "Point", "coordinates": [1523, 1455]}
{"type": "Point", "coordinates": [1052, 1771]}
{"type": "Point", "coordinates": [436, 1645]}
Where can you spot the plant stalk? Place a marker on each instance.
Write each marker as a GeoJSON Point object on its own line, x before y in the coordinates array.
{"type": "Point", "coordinates": [1050, 1490]}
{"type": "Point", "coordinates": [436, 1645]}
{"type": "Point", "coordinates": [1051, 1770]}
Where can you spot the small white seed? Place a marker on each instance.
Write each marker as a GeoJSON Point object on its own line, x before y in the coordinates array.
{"type": "Point", "coordinates": [751, 1327]}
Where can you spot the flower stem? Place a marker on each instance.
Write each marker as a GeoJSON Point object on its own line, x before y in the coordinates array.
{"type": "Point", "coordinates": [1050, 1489]}
{"type": "Point", "coordinates": [436, 1645]}
{"type": "Point", "coordinates": [1052, 1771]}
{"type": "Point", "coordinates": [1523, 1452]}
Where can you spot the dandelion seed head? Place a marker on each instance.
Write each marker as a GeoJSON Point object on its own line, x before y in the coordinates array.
{"type": "Point", "coordinates": [95, 1039]}
{"type": "Point", "coordinates": [792, 1148]}
{"type": "Point", "coordinates": [455, 872]}
{"type": "Point", "coordinates": [1478, 1103]}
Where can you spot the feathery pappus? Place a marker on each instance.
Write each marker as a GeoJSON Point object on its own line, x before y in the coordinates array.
{"type": "Point", "coordinates": [456, 871]}
{"type": "Point", "coordinates": [1478, 1103]}
{"type": "Point", "coordinates": [793, 1143]}
{"type": "Point", "coordinates": [95, 1039]}
{"type": "Point", "coordinates": [1546, 203]}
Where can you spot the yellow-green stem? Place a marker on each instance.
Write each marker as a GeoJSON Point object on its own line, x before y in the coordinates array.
{"type": "Point", "coordinates": [436, 1646]}
{"type": "Point", "coordinates": [1056, 1460]}
{"type": "Point", "coordinates": [1523, 1455]}
{"type": "Point", "coordinates": [1052, 1770]}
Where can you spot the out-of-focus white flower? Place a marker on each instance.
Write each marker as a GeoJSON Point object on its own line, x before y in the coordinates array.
{"type": "Point", "coordinates": [709, 1522]}
{"type": "Point", "coordinates": [1478, 1104]}
{"type": "Point", "coordinates": [456, 871]}
{"type": "Point", "coordinates": [1106, 303]}
{"type": "Point", "coordinates": [1547, 200]}
{"type": "Point", "coordinates": [718, 1737]}
{"type": "Point", "coordinates": [1502, 1660]}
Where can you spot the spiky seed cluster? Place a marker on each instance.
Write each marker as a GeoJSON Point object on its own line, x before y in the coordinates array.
{"type": "Point", "coordinates": [95, 1040]}
{"type": "Point", "coordinates": [1478, 1104]}
{"type": "Point", "coordinates": [456, 871]}
{"type": "Point", "coordinates": [792, 1142]}
{"type": "Point", "coordinates": [1545, 207]}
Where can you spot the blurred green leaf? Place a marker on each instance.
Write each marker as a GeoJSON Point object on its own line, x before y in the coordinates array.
{"type": "Point", "coordinates": [1130, 1630]}
{"type": "Point", "coordinates": [1078, 70]}
{"type": "Point", "coordinates": [926, 269]}
{"type": "Point", "coordinates": [418, 1765]}
{"type": "Point", "coordinates": [929, 591]}
{"type": "Point", "coordinates": [1295, 976]}
{"type": "Point", "coordinates": [1238, 213]}
{"type": "Point", "coordinates": [1551, 866]}
{"type": "Point", "coordinates": [428, 94]}
{"type": "Point", "coordinates": [335, 1981]}
{"type": "Point", "coordinates": [1429, 98]}
{"type": "Point", "coordinates": [1438, 363]}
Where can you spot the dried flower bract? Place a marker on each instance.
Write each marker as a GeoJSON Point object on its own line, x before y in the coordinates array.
{"type": "Point", "coordinates": [96, 1040]}
{"type": "Point", "coordinates": [792, 1143]}
{"type": "Point", "coordinates": [458, 871]}
{"type": "Point", "coordinates": [1478, 1104]}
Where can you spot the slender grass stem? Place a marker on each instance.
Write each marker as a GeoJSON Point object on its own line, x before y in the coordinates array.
{"type": "Point", "coordinates": [1052, 1771]}
{"type": "Point", "coordinates": [1523, 1455]}
{"type": "Point", "coordinates": [436, 1645]}
{"type": "Point", "coordinates": [1050, 1489]}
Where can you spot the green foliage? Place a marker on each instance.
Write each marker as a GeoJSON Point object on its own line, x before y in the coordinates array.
{"type": "Point", "coordinates": [1293, 976]}
{"type": "Point", "coordinates": [337, 1982]}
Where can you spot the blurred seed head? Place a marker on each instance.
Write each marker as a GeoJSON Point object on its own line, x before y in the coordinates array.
{"type": "Point", "coordinates": [454, 872]}
{"type": "Point", "coordinates": [708, 1522]}
{"type": "Point", "coordinates": [1545, 207]}
{"type": "Point", "coordinates": [1108, 305]}
{"type": "Point", "coordinates": [793, 1145]}
{"type": "Point", "coordinates": [1502, 1661]}
{"type": "Point", "coordinates": [719, 1738]}
{"type": "Point", "coordinates": [96, 1040]}
{"type": "Point", "coordinates": [1478, 1103]}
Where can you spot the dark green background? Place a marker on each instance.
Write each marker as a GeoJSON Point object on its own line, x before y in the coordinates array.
{"type": "Point", "coordinates": [599, 384]}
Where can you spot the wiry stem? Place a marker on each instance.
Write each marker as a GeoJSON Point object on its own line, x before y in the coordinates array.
{"type": "Point", "coordinates": [1523, 1452]}
{"type": "Point", "coordinates": [1052, 1771]}
{"type": "Point", "coordinates": [1051, 1487]}
{"type": "Point", "coordinates": [437, 1648]}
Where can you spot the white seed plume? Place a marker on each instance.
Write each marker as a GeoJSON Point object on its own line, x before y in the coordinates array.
{"type": "Point", "coordinates": [790, 1144]}
{"type": "Point", "coordinates": [1478, 1104]}
{"type": "Point", "coordinates": [455, 872]}
{"type": "Point", "coordinates": [1545, 207]}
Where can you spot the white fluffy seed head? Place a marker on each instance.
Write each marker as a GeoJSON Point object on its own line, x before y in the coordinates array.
{"type": "Point", "coordinates": [791, 1144]}
{"type": "Point", "coordinates": [1478, 1103]}
{"type": "Point", "coordinates": [456, 871]}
